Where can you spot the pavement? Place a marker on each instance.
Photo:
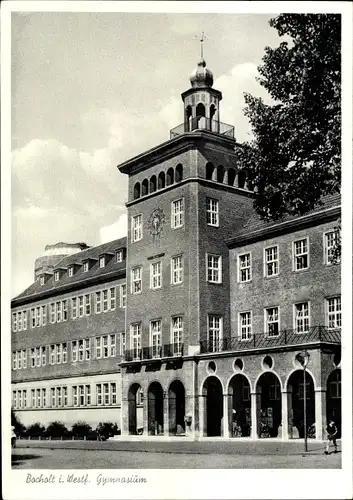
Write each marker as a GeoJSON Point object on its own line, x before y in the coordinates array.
{"type": "Point", "coordinates": [261, 447]}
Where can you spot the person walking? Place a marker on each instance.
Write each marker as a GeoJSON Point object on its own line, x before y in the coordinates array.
{"type": "Point", "coordinates": [13, 436]}
{"type": "Point", "coordinates": [331, 436]}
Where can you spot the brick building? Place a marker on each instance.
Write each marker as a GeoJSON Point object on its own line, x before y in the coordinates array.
{"type": "Point", "coordinates": [222, 310]}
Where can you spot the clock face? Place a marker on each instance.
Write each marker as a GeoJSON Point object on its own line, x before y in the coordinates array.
{"type": "Point", "coordinates": [156, 221]}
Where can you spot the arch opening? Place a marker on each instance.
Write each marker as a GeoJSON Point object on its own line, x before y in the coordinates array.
{"type": "Point", "coordinates": [144, 187]}
{"type": "Point", "coordinates": [155, 409]}
{"type": "Point", "coordinates": [231, 176]}
{"type": "Point", "coordinates": [135, 411]}
{"type": "Point", "coordinates": [270, 405]}
{"type": "Point", "coordinates": [137, 191]}
{"type": "Point", "coordinates": [220, 173]}
{"type": "Point", "coordinates": [170, 176]}
{"type": "Point", "coordinates": [213, 410]}
{"type": "Point", "coordinates": [200, 116]}
{"type": "Point", "coordinates": [161, 180]}
{"type": "Point", "coordinates": [333, 399]}
{"type": "Point", "coordinates": [176, 408]}
{"type": "Point", "coordinates": [179, 173]}
{"type": "Point", "coordinates": [239, 387]}
{"type": "Point", "coordinates": [188, 119]}
{"type": "Point", "coordinates": [241, 179]}
{"type": "Point", "coordinates": [210, 171]}
{"type": "Point", "coordinates": [153, 184]}
{"type": "Point", "coordinates": [296, 403]}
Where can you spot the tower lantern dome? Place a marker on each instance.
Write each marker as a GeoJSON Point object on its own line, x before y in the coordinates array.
{"type": "Point", "coordinates": [201, 76]}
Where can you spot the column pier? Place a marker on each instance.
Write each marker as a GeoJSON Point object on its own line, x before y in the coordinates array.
{"type": "Point", "coordinates": [255, 414]}
{"type": "Point", "coordinates": [165, 423]}
{"type": "Point", "coordinates": [226, 421]}
{"type": "Point", "coordinates": [320, 414]}
{"type": "Point", "coordinates": [286, 415]}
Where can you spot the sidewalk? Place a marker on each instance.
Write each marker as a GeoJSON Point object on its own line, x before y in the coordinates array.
{"type": "Point", "coordinates": [205, 446]}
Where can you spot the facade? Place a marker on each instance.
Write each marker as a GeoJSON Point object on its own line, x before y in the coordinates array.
{"type": "Point", "coordinates": [222, 310]}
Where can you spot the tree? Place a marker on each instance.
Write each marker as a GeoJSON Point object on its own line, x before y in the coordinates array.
{"type": "Point", "coordinates": [35, 430]}
{"type": "Point", "coordinates": [107, 429]}
{"type": "Point", "coordinates": [20, 429]}
{"type": "Point", "coordinates": [56, 430]}
{"type": "Point", "coordinates": [81, 429]}
{"type": "Point", "coordinates": [294, 158]}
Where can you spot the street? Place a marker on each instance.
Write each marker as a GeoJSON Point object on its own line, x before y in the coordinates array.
{"type": "Point", "coordinates": [58, 458]}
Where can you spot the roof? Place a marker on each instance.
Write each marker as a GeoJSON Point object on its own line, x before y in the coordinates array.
{"type": "Point", "coordinates": [255, 225]}
{"type": "Point", "coordinates": [52, 286]}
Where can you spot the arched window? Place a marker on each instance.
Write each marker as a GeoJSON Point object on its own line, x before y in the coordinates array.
{"type": "Point", "coordinates": [231, 176]}
{"type": "Point", "coordinates": [209, 171]}
{"type": "Point", "coordinates": [137, 191]}
{"type": "Point", "coordinates": [188, 119]}
{"type": "Point", "coordinates": [179, 173]}
{"type": "Point", "coordinates": [241, 179]}
{"type": "Point", "coordinates": [220, 173]}
{"type": "Point", "coordinates": [170, 176]}
{"type": "Point", "coordinates": [200, 116]}
{"type": "Point", "coordinates": [144, 187]}
{"type": "Point", "coordinates": [161, 180]}
{"type": "Point", "coordinates": [153, 184]}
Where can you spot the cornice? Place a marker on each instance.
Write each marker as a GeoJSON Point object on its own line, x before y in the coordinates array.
{"type": "Point", "coordinates": [303, 222]}
{"type": "Point", "coordinates": [171, 148]}
{"type": "Point", "coordinates": [68, 287]}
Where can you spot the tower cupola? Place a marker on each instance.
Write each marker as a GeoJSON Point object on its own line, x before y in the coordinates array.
{"type": "Point", "coordinates": [201, 77]}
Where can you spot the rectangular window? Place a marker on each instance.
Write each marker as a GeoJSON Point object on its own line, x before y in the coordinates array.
{"type": "Point", "coordinates": [106, 396]}
{"type": "Point", "coordinates": [118, 256]}
{"type": "Point", "coordinates": [44, 315]}
{"type": "Point", "coordinates": [85, 267]}
{"type": "Point", "coordinates": [58, 353]}
{"type": "Point", "coordinates": [177, 270]}
{"type": "Point", "coordinates": [24, 392]}
{"type": "Point", "coordinates": [177, 335]}
{"type": "Point", "coordinates": [44, 398]}
{"type": "Point", "coordinates": [113, 393]}
{"type": "Point", "coordinates": [105, 346]}
{"type": "Point", "coordinates": [74, 351]}
{"type": "Point", "coordinates": [56, 276]}
{"type": "Point", "coordinates": [214, 268]}
{"type": "Point", "coordinates": [136, 280]}
{"type": "Point", "coordinates": [301, 254]}
{"type": "Point", "coordinates": [244, 268]}
{"type": "Point", "coordinates": [53, 397]}
{"type": "Point", "coordinates": [136, 231]}
{"type": "Point", "coordinates": [64, 310]}
{"type": "Point", "coordinates": [156, 275]}
{"type": "Point", "coordinates": [38, 356]}
{"type": "Point", "coordinates": [52, 354]}
{"type": "Point", "coordinates": [88, 395]}
{"type": "Point", "coordinates": [38, 316]}
{"type": "Point", "coordinates": [98, 302]}
{"type": "Point", "coordinates": [271, 261]}
{"type": "Point", "coordinates": [58, 312]}
{"type": "Point", "coordinates": [99, 394]}
{"type": "Point", "coordinates": [74, 307]}
{"type": "Point", "coordinates": [301, 391]}
{"type": "Point", "coordinates": [98, 347]}
{"type": "Point", "coordinates": [14, 322]}
{"type": "Point", "coordinates": [156, 337]}
{"type": "Point", "coordinates": [301, 317]}
{"type": "Point", "coordinates": [65, 396]}
{"type": "Point", "coordinates": [33, 318]}
{"type": "Point", "coordinates": [14, 360]}
{"type": "Point", "coordinates": [19, 321]}
{"type": "Point", "coordinates": [212, 212]}
{"type": "Point", "coordinates": [123, 295]}
{"type": "Point", "coordinates": [112, 298]}
{"type": "Point", "coordinates": [272, 321]}
{"type": "Point", "coordinates": [33, 358]}
{"type": "Point", "coordinates": [177, 213]}
{"type": "Point", "coordinates": [214, 333]}
{"type": "Point", "coordinates": [102, 261]}
{"type": "Point", "coordinates": [24, 358]}
{"type": "Point", "coordinates": [334, 389]}
{"type": "Point", "coordinates": [64, 352]}
{"type": "Point", "coordinates": [135, 336]}
{"type": "Point", "coordinates": [24, 318]}
{"type": "Point", "coordinates": [245, 327]}
{"type": "Point", "coordinates": [33, 398]}
{"type": "Point", "coordinates": [75, 395]}
{"type": "Point", "coordinates": [87, 345]}
{"type": "Point", "coordinates": [331, 244]}
{"type": "Point", "coordinates": [52, 312]}
{"type": "Point", "coordinates": [59, 396]}
{"type": "Point", "coordinates": [82, 395]}
{"type": "Point", "coordinates": [81, 309]}
{"type": "Point", "coordinates": [333, 312]}
{"type": "Point", "coordinates": [71, 272]}
{"type": "Point", "coordinates": [80, 350]}
{"type": "Point", "coordinates": [43, 355]}
{"type": "Point", "coordinates": [274, 391]}
{"type": "Point", "coordinates": [105, 300]}
{"type": "Point", "coordinates": [112, 345]}
{"type": "Point", "coordinates": [88, 304]}
{"type": "Point", "coordinates": [122, 343]}
{"type": "Point", "coordinates": [19, 360]}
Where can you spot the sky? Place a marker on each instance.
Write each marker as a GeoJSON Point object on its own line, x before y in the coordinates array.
{"type": "Point", "coordinates": [90, 90]}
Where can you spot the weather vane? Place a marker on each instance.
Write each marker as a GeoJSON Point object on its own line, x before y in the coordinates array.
{"type": "Point", "coordinates": [201, 39]}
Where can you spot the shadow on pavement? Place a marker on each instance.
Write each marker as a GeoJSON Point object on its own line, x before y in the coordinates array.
{"type": "Point", "coordinates": [17, 459]}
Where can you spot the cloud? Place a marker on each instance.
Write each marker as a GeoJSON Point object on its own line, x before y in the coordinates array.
{"type": "Point", "coordinates": [114, 231]}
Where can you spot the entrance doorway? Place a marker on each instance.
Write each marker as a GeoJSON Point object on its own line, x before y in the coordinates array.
{"type": "Point", "coordinates": [270, 413]}
{"type": "Point", "coordinates": [176, 408]}
{"type": "Point", "coordinates": [296, 404]}
{"type": "Point", "coordinates": [133, 402]}
{"type": "Point", "coordinates": [213, 412]}
{"type": "Point", "coordinates": [239, 388]}
{"type": "Point", "coordinates": [155, 409]}
{"type": "Point", "coordinates": [333, 399]}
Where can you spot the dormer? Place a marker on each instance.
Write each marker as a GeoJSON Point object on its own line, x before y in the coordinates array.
{"type": "Point", "coordinates": [88, 263]}
{"type": "Point", "coordinates": [120, 255]}
{"type": "Point", "coordinates": [59, 272]}
{"type": "Point", "coordinates": [105, 258]}
{"type": "Point", "coordinates": [44, 278]}
{"type": "Point", "coordinates": [73, 268]}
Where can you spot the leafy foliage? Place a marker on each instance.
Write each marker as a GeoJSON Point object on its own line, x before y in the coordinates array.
{"type": "Point", "coordinates": [35, 430]}
{"type": "Point", "coordinates": [81, 429]}
{"type": "Point", "coordinates": [20, 429]}
{"type": "Point", "coordinates": [57, 430]}
{"type": "Point", "coordinates": [107, 429]}
{"type": "Point", "coordinates": [295, 156]}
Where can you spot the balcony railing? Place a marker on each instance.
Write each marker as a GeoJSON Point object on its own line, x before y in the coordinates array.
{"type": "Point", "coordinates": [154, 352]}
{"type": "Point", "coordinates": [263, 340]}
{"type": "Point", "coordinates": [201, 123]}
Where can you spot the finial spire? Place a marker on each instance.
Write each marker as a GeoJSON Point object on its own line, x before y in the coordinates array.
{"type": "Point", "coordinates": [202, 38]}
